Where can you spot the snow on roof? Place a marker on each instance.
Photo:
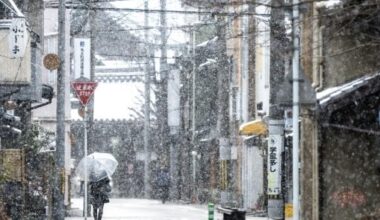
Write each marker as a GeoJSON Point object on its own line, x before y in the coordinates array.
{"type": "Point", "coordinates": [329, 94]}
{"type": "Point", "coordinates": [203, 44]}
{"type": "Point", "coordinates": [113, 63]}
{"type": "Point", "coordinates": [328, 3]}
{"type": "Point", "coordinates": [51, 34]}
{"type": "Point", "coordinates": [208, 62]}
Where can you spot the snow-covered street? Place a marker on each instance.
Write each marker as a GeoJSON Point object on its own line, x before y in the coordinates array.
{"type": "Point", "coordinates": [141, 209]}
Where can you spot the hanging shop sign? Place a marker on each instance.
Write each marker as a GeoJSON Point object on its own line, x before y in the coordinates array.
{"type": "Point", "coordinates": [16, 62]}
{"type": "Point", "coordinates": [275, 143]}
{"type": "Point", "coordinates": [18, 38]}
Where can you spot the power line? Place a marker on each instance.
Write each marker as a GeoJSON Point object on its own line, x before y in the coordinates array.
{"type": "Point", "coordinates": [143, 28]}
{"type": "Point", "coordinates": [255, 3]}
{"type": "Point", "coordinates": [137, 56]}
{"type": "Point", "coordinates": [100, 8]}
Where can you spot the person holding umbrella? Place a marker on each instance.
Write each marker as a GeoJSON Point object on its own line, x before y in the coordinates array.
{"type": "Point", "coordinates": [99, 194]}
{"type": "Point", "coordinates": [96, 170]}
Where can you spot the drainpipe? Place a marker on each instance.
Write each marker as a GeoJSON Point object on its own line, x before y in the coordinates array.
{"type": "Point", "coordinates": [317, 59]}
{"type": "Point", "coordinates": [320, 59]}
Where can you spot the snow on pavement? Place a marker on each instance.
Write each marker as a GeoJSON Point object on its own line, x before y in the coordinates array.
{"type": "Point", "coordinates": [142, 209]}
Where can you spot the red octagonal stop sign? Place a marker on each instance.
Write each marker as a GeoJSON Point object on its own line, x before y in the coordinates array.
{"type": "Point", "coordinates": [84, 90]}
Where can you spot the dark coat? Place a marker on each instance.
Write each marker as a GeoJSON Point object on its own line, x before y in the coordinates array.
{"type": "Point", "coordinates": [99, 192]}
{"type": "Point", "coordinates": [163, 179]}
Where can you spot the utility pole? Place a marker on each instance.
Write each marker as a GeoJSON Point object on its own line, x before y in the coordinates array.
{"type": "Point", "coordinates": [193, 104]}
{"type": "Point", "coordinates": [193, 87]}
{"type": "Point", "coordinates": [296, 108]}
{"type": "Point", "coordinates": [147, 107]}
{"type": "Point", "coordinates": [162, 105]}
{"type": "Point", "coordinates": [58, 197]}
{"type": "Point", "coordinates": [222, 124]}
{"type": "Point", "coordinates": [90, 110]}
{"type": "Point", "coordinates": [278, 44]}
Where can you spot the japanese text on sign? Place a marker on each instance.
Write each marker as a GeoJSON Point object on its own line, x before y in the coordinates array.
{"type": "Point", "coordinates": [17, 37]}
{"type": "Point", "coordinates": [82, 58]}
{"type": "Point", "coordinates": [274, 164]}
{"type": "Point", "coordinates": [84, 90]}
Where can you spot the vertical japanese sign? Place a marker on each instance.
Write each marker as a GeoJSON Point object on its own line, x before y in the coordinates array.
{"type": "Point", "coordinates": [174, 98]}
{"type": "Point", "coordinates": [274, 164]}
{"type": "Point", "coordinates": [82, 58]}
{"type": "Point", "coordinates": [18, 37]}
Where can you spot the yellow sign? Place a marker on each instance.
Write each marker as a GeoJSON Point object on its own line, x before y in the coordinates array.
{"type": "Point", "coordinates": [288, 210]}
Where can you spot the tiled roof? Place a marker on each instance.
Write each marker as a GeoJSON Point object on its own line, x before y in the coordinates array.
{"type": "Point", "coordinates": [335, 94]}
{"type": "Point", "coordinates": [119, 78]}
{"type": "Point", "coordinates": [330, 94]}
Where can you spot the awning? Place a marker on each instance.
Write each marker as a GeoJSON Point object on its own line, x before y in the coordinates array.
{"type": "Point", "coordinates": [256, 127]}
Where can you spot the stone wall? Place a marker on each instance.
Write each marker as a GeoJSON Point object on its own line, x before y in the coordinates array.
{"type": "Point", "coordinates": [349, 186]}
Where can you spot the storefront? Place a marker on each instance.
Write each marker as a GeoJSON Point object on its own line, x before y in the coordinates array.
{"type": "Point", "coordinates": [253, 165]}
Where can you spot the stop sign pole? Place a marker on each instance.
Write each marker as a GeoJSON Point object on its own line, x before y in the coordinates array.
{"type": "Point", "coordinates": [84, 91]}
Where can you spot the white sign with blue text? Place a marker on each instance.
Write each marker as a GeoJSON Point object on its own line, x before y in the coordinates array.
{"type": "Point", "coordinates": [82, 57]}
{"type": "Point", "coordinates": [17, 38]}
{"type": "Point", "coordinates": [275, 143]}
